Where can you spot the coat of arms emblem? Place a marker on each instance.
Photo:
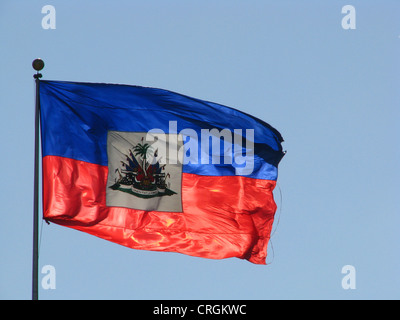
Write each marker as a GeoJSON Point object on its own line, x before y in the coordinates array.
{"type": "Point", "coordinates": [140, 174]}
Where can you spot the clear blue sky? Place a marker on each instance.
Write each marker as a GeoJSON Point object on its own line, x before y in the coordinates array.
{"type": "Point", "coordinates": [332, 93]}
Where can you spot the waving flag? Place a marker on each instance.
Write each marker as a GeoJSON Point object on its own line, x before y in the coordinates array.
{"type": "Point", "coordinates": [156, 170]}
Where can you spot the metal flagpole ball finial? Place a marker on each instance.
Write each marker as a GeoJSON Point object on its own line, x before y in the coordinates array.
{"type": "Point", "coordinates": [38, 64]}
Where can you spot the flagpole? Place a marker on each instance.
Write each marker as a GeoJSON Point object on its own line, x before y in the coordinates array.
{"type": "Point", "coordinates": [38, 65]}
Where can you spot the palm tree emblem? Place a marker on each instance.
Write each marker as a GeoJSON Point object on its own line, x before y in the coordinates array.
{"type": "Point", "coordinates": [142, 150]}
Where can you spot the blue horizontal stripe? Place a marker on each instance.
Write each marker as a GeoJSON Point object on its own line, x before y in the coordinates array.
{"type": "Point", "coordinates": [75, 119]}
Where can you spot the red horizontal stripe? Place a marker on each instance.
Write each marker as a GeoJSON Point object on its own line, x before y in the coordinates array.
{"type": "Point", "coordinates": [223, 216]}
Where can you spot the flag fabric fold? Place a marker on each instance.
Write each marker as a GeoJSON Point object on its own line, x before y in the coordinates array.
{"type": "Point", "coordinates": [156, 170]}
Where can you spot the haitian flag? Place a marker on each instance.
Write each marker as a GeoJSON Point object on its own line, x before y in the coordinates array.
{"type": "Point", "coordinates": [156, 170]}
